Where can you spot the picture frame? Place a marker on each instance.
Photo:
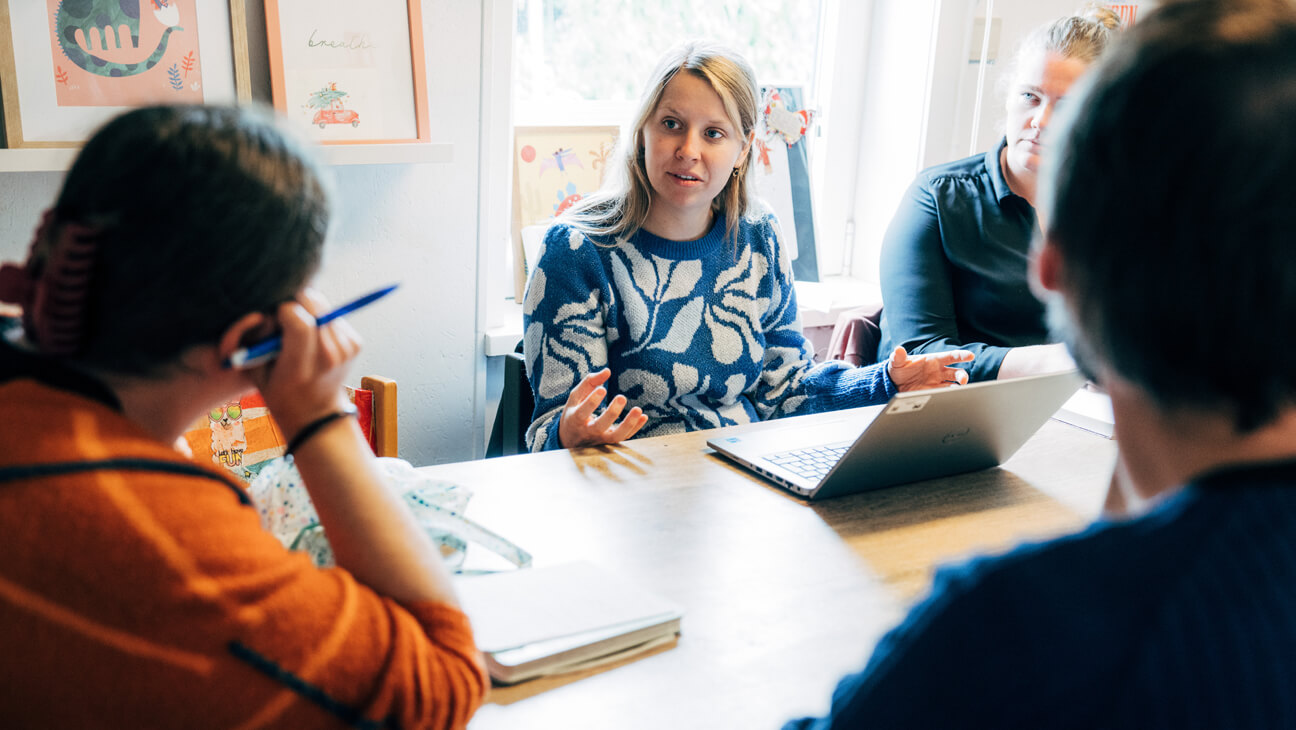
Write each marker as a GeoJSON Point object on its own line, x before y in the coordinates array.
{"type": "Point", "coordinates": [349, 72]}
{"type": "Point", "coordinates": [58, 87]}
{"type": "Point", "coordinates": [578, 157]}
{"type": "Point", "coordinates": [1128, 12]}
{"type": "Point", "coordinates": [781, 173]}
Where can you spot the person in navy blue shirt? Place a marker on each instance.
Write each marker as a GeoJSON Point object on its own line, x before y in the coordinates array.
{"type": "Point", "coordinates": [1169, 217]}
{"type": "Point", "coordinates": [953, 263]}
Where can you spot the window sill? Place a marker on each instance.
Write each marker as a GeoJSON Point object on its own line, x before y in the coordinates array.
{"type": "Point", "coordinates": [502, 338]}
{"type": "Point", "coordinates": [820, 302]}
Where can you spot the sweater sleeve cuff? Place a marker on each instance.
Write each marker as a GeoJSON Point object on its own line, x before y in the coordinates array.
{"type": "Point", "coordinates": [552, 442]}
{"type": "Point", "coordinates": [542, 435]}
{"type": "Point", "coordinates": [447, 624]}
{"type": "Point", "coordinates": [836, 385]}
{"type": "Point", "coordinates": [889, 388]}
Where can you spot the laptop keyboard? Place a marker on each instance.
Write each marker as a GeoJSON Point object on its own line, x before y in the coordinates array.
{"type": "Point", "coordinates": [812, 463]}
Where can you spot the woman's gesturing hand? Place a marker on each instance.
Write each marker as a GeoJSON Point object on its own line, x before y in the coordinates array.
{"type": "Point", "coordinates": [578, 426]}
{"type": "Point", "coordinates": [917, 372]}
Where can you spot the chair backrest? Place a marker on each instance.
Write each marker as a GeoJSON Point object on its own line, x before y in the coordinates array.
{"type": "Point", "coordinates": [508, 434]}
{"type": "Point", "coordinates": [384, 432]}
{"type": "Point", "coordinates": [856, 336]}
{"type": "Point", "coordinates": [242, 436]}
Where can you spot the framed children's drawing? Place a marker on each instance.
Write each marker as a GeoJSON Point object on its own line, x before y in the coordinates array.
{"type": "Point", "coordinates": [67, 66]}
{"type": "Point", "coordinates": [350, 72]}
{"type": "Point", "coordinates": [553, 167]}
{"type": "Point", "coordinates": [782, 173]}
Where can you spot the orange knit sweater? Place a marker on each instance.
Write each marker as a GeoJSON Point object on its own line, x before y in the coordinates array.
{"type": "Point", "coordinates": [136, 598]}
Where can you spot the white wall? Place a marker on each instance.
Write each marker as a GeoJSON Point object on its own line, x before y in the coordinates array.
{"type": "Point", "coordinates": [1016, 18]}
{"type": "Point", "coordinates": [417, 224]}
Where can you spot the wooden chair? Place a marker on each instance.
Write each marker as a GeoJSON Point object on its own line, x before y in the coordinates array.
{"type": "Point", "coordinates": [242, 436]}
{"type": "Point", "coordinates": [384, 432]}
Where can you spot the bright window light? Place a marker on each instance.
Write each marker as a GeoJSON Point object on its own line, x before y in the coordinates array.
{"type": "Point", "coordinates": [584, 61]}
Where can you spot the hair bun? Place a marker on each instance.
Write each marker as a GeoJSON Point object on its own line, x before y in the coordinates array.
{"type": "Point", "coordinates": [1101, 14]}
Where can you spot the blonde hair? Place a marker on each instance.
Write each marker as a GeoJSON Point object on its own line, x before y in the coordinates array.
{"type": "Point", "coordinates": [1083, 35]}
{"type": "Point", "coordinates": [620, 208]}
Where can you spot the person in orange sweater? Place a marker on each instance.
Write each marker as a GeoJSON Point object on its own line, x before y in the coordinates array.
{"type": "Point", "coordinates": [138, 588]}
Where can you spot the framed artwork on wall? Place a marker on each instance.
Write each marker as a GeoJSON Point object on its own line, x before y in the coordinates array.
{"type": "Point", "coordinates": [1128, 12]}
{"type": "Point", "coordinates": [67, 67]}
{"type": "Point", "coordinates": [553, 168]}
{"type": "Point", "coordinates": [349, 72]}
{"type": "Point", "coordinates": [781, 173]}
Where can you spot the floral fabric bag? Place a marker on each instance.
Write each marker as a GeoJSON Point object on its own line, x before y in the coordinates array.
{"type": "Point", "coordinates": [286, 512]}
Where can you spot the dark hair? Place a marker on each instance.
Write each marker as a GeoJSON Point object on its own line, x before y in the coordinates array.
{"type": "Point", "coordinates": [1172, 202]}
{"type": "Point", "coordinates": [200, 215]}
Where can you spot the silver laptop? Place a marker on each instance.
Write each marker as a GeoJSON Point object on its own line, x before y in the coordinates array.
{"type": "Point", "coordinates": [918, 435]}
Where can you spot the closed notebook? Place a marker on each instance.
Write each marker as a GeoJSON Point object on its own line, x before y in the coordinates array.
{"type": "Point", "coordinates": [1089, 409]}
{"type": "Point", "coordinates": [561, 618]}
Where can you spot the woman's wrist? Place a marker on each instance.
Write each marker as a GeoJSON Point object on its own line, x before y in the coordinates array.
{"type": "Point", "coordinates": [292, 414]}
{"type": "Point", "coordinates": [315, 426]}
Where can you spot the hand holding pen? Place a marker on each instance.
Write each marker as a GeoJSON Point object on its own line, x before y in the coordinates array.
{"type": "Point", "coordinates": [304, 386]}
{"type": "Point", "coordinates": [267, 349]}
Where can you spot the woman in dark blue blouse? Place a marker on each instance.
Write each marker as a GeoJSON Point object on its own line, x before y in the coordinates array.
{"type": "Point", "coordinates": [954, 259]}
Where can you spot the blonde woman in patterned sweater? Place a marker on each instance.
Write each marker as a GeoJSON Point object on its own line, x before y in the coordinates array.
{"type": "Point", "coordinates": [672, 291]}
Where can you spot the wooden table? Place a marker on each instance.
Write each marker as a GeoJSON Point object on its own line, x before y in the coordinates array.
{"type": "Point", "coordinates": [781, 598]}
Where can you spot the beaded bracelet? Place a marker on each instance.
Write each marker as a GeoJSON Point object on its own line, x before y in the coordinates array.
{"type": "Point", "coordinates": [314, 427]}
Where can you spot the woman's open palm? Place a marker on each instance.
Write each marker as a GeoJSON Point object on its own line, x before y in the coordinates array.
{"type": "Point", "coordinates": [917, 372]}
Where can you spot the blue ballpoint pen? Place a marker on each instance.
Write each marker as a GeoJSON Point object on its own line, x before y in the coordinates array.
{"type": "Point", "coordinates": [267, 349]}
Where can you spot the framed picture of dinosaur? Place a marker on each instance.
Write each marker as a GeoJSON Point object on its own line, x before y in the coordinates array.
{"type": "Point", "coordinates": [67, 66]}
{"type": "Point", "coordinates": [350, 72]}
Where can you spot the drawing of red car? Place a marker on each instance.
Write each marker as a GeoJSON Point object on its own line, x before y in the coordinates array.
{"type": "Point", "coordinates": [336, 116]}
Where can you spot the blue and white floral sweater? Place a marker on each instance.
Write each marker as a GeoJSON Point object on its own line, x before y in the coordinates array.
{"type": "Point", "coordinates": [699, 334]}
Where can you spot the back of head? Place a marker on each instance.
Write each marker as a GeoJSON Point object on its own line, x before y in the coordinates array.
{"type": "Point", "coordinates": [1171, 204]}
{"type": "Point", "coordinates": [193, 216]}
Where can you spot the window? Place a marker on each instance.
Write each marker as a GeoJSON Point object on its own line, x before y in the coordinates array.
{"type": "Point", "coordinates": [585, 61]}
